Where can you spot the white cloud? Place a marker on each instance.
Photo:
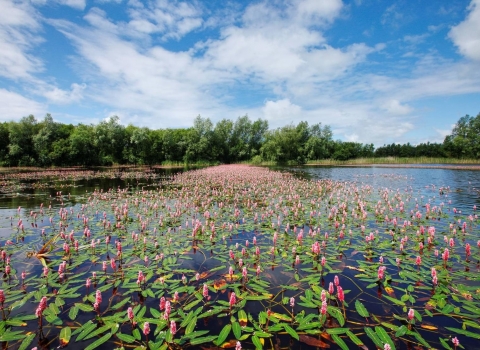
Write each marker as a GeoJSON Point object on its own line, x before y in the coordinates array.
{"type": "Point", "coordinates": [18, 27]}
{"type": "Point", "coordinates": [281, 112]}
{"type": "Point", "coordinates": [466, 35]}
{"type": "Point", "coordinates": [396, 108]}
{"type": "Point", "coordinates": [76, 4]}
{"type": "Point", "coordinates": [14, 106]}
{"type": "Point", "coordinates": [59, 96]}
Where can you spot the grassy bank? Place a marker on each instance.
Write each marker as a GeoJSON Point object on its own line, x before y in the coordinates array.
{"type": "Point", "coordinates": [394, 160]}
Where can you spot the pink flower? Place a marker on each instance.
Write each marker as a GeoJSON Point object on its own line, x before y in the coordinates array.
{"type": "Point", "coordinates": [340, 294]}
{"type": "Point", "coordinates": [411, 314]}
{"type": "Point", "coordinates": [173, 327]}
{"type": "Point", "coordinates": [292, 302]}
{"type": "Point", "coordinates": [445, 254]}
{"type": "Point", "coordinates": [232, 256]}
{"type": "Point", "coordinates": [130, 313]}
{"type": "Point", "coordinates": [88, 283]}
{"type": "Point", "coordinates": [162, 303]}
{"type": "Point", "coordinates": [451, 243]}
{"type": "Point", "coordinates": [455, 341]}
{"type": "Point", "coordinates": [380, 273]}
{"type": "Point", "coordinates": [238, 346]}
{"type": "Point", "coordinates": [244, 272]}
{"type": "Point", "coordinates": [418, 261]}
{"type": "Point", "coordinates": [467, 249]}
{"type": "Point", "coordinates": [104, 266]}
{"type": "Point", "coordinates": [323, 261]}
{"type": "Point", "coordinates": [113, 265]}
{"type": "Point", "coordinates": [205, 290]}
{"type": "Point", "coordinates": [323, 310]}
{"type": "Point", "coordinates": [387, 347]}
{"type": "Point", "coordinates": [323, 296]}
{"type": "Point", "coordinates": [230, 271]}
{"type": "Point", "coordinates": [175, 297]}
{"type": "Point", "coordinates": [2, 296]}
{"type": "Point", "coordinates": [336, 281]}
{"type": "Point", "coordinates": [330, 288]}
{"type": "Point", "coordinates": [233, 299]}
{"type": "Point", "coordinates": [146, 328]}
{"type": "Point", "coordinates": [98, 297]}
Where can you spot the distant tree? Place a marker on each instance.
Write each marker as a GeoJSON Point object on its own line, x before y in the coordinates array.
{"type": "Point", "coordinates": [4, 142]}
{"type": "Point", "coordinates": [21, 150]}
{"type": "Point", "coordinates": [464, 141]}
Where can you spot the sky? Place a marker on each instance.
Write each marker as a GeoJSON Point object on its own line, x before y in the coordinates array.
{"type": "Point", "coordinates": [374, 71]}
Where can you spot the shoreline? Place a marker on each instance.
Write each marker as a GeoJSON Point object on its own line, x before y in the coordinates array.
{"type": "Point", "coordinates": [414, 165]}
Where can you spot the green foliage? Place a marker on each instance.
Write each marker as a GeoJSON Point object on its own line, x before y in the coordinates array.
{"type": "Point", "coordinates": [49, 143]}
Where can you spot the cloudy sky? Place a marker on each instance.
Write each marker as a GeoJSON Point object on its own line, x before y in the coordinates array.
{"type": "Point", "coordinates": [375, 71]}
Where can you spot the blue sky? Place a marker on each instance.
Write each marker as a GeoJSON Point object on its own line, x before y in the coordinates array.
{"type": "Point", "coordinates": [375, 71]}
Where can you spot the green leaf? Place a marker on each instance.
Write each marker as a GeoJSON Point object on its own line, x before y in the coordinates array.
{"type": "Point", "coordinates": [120, 304]}
{"type": "Point", "coordinates": [257, 343]}
{"type": "Point", "coordinates": [402, 330]}
{"type": "Point", "coordinates": [384, 337]}
{"type": "Point", "coordinates": [356, 340]}
{"type": "Point", "coordinates": [445, 344]}
{"type": "Point", "coordinates": [237, 330]}
{"type": "Point", "coordinates": [99, 342]}
{"type": "Point", "coordinates": [373, 336]}
{"type": "Point", "coordinates": [98, 331]}
{"type": "Point", "coordinates": [339, 341]}
{"type": "Point", "coordinates": [191, 325]}
{"type": "Point", "coordinates": [65, 335]}
{"type": "Point", "coordinates": [337, 330]}
{"type": "Point", "coordinates": [393, 300]}
{"type": "Point", "coordinates": [26, 342]}
{"type": "Point", "coordinates": [125, 337]}
{"type": "Point", "coordinates": [464, 332]}
{"type": "Point", "coordinates": [362, 311]}
{"type": "Point", "coordinates": [202, 340]}
{"type": "Point", "coordinates": [291, 331]}
{"type": "Point", "coordinates": [72, 314]}
{"type": "Point", "coordinates": [86, 331]}
{"type": "Point", "coordinates": [223, 334]}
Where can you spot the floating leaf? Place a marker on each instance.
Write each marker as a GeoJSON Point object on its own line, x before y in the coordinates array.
{"type": "Point", "coordinates": [65, 335]}
{"type": "Point", "coordinates": [362, 311]}
{"type": "Point", "coordinates": [291, 331]}
{"type": "Point", "coordinates": [339, 341]}
{"type": "Point", "coordinates": [223, 334]}
{"type": "Point", "coordinates": [99, 342]}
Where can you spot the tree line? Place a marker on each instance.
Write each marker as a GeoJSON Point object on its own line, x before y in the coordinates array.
{"type": "Point", "coordinates": [30, 142]}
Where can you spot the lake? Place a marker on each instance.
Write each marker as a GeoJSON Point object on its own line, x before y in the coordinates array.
{"type": "Point", "coordinates": [379, 230]}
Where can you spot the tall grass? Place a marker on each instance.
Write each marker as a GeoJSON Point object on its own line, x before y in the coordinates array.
{"type": "Point", "coordinates": [394, 160]}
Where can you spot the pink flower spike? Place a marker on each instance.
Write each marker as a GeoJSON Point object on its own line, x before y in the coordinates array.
{"type": "Point", "coordinates": [130, 313]}
{"type": "Point", "coordinates": [233, 299]}
{"type": "Point", "coordinates": [292, 302]}
{"type": "Point", "coordinates": [238, 346]}
{"type": "Point", "coordinates": [336, 281]}
{"type": "Point", "coordinates": [146, 328]}
{"type": "Point", "coordinates": [340, 294]}
{"type": "Point", "coordinates": [418, 261]}
{"type": "Point", "coordinates": [411, 314]}
{"type": "Point", "coordinates": [455, 341]}
{"type": "Point", "coordinates": [387, 347]}
{"type": "Point", "coordinates": [173, 327]}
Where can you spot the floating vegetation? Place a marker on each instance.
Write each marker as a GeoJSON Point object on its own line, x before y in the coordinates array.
{"type": "Point", "coordinates": [241, 257]}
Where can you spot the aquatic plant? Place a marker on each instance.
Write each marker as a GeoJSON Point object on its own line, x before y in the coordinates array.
{"type": "Point", "coordinates": [240, 257]}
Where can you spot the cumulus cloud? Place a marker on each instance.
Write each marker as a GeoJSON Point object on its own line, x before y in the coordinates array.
{"type": "Point", "coordinates": [466, 35]}
{"type": "Point", "coordinates": [60, 96]}
{"type": "Point", "coordinates": [14, 106]}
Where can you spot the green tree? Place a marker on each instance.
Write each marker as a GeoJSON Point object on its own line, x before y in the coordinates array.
{"type": "Point", "coordinates": [21, 150]}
